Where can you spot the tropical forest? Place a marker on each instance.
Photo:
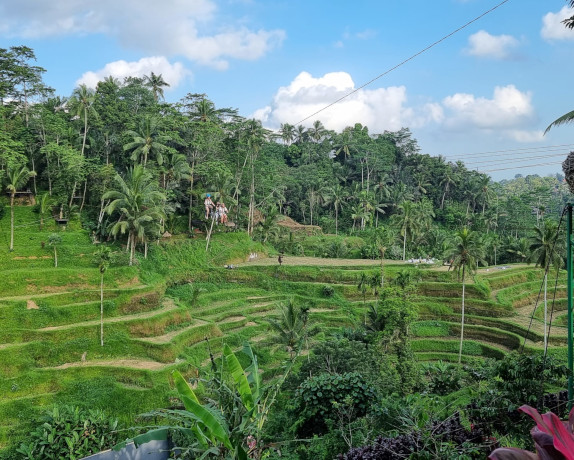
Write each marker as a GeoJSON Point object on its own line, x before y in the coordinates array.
{"type": "Point", "coordinates": [178, 276]}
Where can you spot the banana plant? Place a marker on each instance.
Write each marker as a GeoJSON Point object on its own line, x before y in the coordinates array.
{"type": "Point", "coordinates": [230, 431]}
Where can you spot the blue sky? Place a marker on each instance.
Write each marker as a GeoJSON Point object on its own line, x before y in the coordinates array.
{"type": "Point", "coordinates": [492, 87]}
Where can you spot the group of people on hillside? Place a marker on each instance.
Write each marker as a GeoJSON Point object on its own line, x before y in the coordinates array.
{"type": "Point", "coordinates": [215, 211]}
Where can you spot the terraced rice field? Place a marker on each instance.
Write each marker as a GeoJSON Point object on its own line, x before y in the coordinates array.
{"type": "Point", "coordinates": [50, 340]}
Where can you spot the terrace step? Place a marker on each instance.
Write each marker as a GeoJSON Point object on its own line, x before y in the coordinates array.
{"type": "Point", "coordinates": [166, 338]}
{"type": "Point", "coordinates": [168, 305]}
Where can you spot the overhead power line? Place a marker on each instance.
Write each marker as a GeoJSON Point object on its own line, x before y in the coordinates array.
{"type": "Point", "coordinates": [494, 162]}
{"type": "Point", "coordinates": [405, 61]}
{"type": "Point", "coordinates": [523, 149]}
{"type": "Point", "coordinates": [523, 166]}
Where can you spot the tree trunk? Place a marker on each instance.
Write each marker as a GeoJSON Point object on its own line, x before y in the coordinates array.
{"type": "Point", "coordinates": [12, 221]}
{"type": "Point", "coordinates": [462, 318]}
{"type": "Point", "coordinates": [85, 130]}
{"type": "Point", "coordinates": [102, 309]}
{"type": "Point", "coordinates": [404, 246]}
{"type": "Point", "coordinates": [84, 195]}
{"type": "Point", "coordinates": [336, 220]}
{"type": "Point", "coordinates": [55, 257]}
{"type": "Point", "coordinates": [131, 247]}
{"type": "Point", "coordinates": [545, 313]}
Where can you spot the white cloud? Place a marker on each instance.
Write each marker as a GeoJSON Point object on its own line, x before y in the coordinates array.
{"type": "Point", "coordinates": [526, 137]}
{"type": "Point", "coordinates": [483, 44]}
{"type": "Point", "coordinates": [173, 74]}
{"type": "Point", "coordinates": [554, 29]}
{"type": "Point", "coordinates": [509, 112]}
{"type": "Point", "coordinates": [170, 27]}
{"type": "Point", "coordinates": [509, 108]}
{"type": "Point", "coordinates": [379, 109]}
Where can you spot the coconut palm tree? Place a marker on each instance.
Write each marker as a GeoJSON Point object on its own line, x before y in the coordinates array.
{"type": "Point", "coordinates": [140, 204]}
{"type": "Point", "coordinates": [55, 240]}
{"type": "Point", "coordinates": [408, 222]}
{"type": "Point", "coordinates": [44, 206]}
{"type": "Point", "coordinates": [337, 196]}
{"type": "Point", "coordinates": [82, 104]}
{"type": "Point", "coordinates": [156, 83]}
{"type": "Point", "coordinates": [291, 327]}
{"type": "Point", "coordinates": [16, 177]}
{"type": "Point", "coordinates": [545, 253]}
{"type": "Point", "coordinates": [467, 253]}
{"type": "Point", "coordinates": [148, 141]}
{"type": "Point", "coordinates": [287, 133]}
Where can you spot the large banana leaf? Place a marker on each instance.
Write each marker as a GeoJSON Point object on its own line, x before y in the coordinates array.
{"type": "Point", "coordinates": [213, 423]}
{"type": "Point", "coordinates": [239, 377]}
{"type": "Point", "coordinates": [253, 376]}
{"type": "Point", "coordinates": [183, 387]}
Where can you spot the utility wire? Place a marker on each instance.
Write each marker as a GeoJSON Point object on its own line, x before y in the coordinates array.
{"type": "Point", "coordinates": [504, 161]}
{"type": "Point", "coordinates": [405, 61]}
{"type": "Point", "coordinates": [524, 166]}
{"type": "Point", "coordinates": [569, 146]}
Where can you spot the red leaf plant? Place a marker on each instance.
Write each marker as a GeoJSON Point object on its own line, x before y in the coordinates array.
{"type": "Point", "coordinates": [553, 439]}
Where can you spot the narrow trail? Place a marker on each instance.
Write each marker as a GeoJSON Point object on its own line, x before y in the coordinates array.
{"type": "Point", "coordinates": [168, 305]}
{"type": "Point", "coordinates": [166, 338]}
{"type": "Point", "coordinates": [77, 291]}
{"type": "Point", "coordinates": [129, 363]}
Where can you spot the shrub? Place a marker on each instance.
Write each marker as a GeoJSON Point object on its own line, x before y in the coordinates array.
{"type": "Point", "coordinates": [328, 290]}
{"type": "Point", "coordinates": [69, 432]}
{"type": "Point", "coordinates": [318, 396]}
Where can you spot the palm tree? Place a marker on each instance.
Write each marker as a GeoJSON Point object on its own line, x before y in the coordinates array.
{"type": "Point", "coordinates": [82, 103]}
{"type": "Point", "coordinates": [466, 255]}
{"type": "Point", "coordinates": [287, 133]}
{"type": "Point", "coordinates": [520, 248]}
{"type": "Point", "coordinates": [291, 326]}
{"type": "Point", "coordinates": [344, 143]}
{"type": "Point", "coordinates": [103, 259]}
{"type": "Point", "coordinates": [408, 222]}
{"type": "Point", "coordinates": [543, 247]}
{"type": "Point", "coordinates": [140, 204]}
{"type": "Point", "coordinates": [156, 84]}
{"type": "Point", "coordinates": [17, 177]}
{"type": "Point", "coordinates": [147, 141]}
{"type": "Point", "coordinates": [337, 196]}
{"type": "Point", "coordinates": [44, 206]}
{"type": "Point", "coordinates": [55, 240]}
{"type": "Point", "coordinates": [317, 131]}
{"type": "Point", "coordinates": [449, 178]}
{"type": "Point", "coordinates": [254, 137]}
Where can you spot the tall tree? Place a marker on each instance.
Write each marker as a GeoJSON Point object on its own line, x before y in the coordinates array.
{"type": "Point", "coordinates": [148, 140]}
{"type": "Point", "coordinates": [466, 255]}
{"type": "Point", "coordinates": [140, 204]}
{"type": "Point", "coordinates": [408, 222]}
{"type": "Point", "coordinates": [156, 83]}
{"type": "Point", "coordinates": [545, 252]}
{"type": "Point", "coordinates": [82, 104]}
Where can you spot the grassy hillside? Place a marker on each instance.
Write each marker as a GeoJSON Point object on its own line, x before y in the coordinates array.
{"type": "Point", "coordinates": [159, 313]}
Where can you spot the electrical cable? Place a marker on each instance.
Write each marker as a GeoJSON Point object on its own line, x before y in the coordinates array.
{"type": "Point", "coordinates": [513, 160]}
{"type": "Point", "coordinates": [552, 310]}
{"type": "Point", "coordinates": [405, 61]}
{"type": "Point", "coordinates": [569, 146]}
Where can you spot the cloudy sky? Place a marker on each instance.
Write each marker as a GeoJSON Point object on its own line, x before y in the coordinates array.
{"type": "Point", "coordinates": [483, 95]}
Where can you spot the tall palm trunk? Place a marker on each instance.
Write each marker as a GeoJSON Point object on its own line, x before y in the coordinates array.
{"type": "Point", "coordinates": [545, 312]}
{"type": "Point", "coordinates": [12, 194]}
{"type": "Point", "coordinates": [404, 246]}
{"type": "Point", "coordinates": [102, 309]}
{"type": "Point", "coordinates": [462, 317]}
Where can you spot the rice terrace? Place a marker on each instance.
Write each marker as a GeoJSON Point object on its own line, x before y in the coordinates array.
{"type": "Point", "coordinates": [178, 280]}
